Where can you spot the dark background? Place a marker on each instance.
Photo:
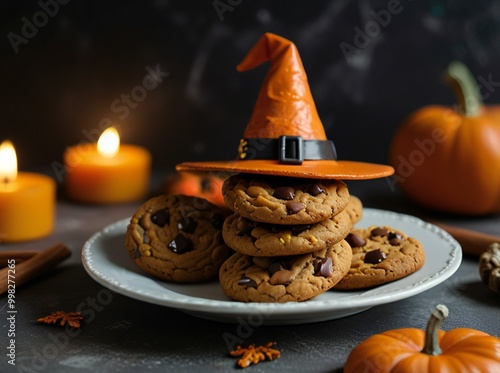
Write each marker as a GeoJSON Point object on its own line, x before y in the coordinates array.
{"type": "Point", "coordinates": [62, 81]}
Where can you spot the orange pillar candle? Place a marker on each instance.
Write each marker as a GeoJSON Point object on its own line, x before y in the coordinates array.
{"type": "Point", "coordinates": [107, 172]}
{"type": "Point", "coordinates": [27, 200]}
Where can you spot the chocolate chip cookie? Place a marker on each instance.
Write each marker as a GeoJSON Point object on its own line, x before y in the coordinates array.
{"type": "Point", "coordinates": [178, 238]}
{"type": "Point", "coordinates": [354, 208]}
{"type": "Point", "coordinates": [284, 279]}
{"type": "Point", "coordinates": [284, 200]}
{"type": "Point", "coordinates": [263, 239]}
{"type": "Point", "coordinates": [380, 255]}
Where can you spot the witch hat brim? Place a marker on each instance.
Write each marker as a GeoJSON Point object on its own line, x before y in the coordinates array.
{"type": "Point", "coordinates": [285, 136]}
{"type": "Point", "coordinates": [342, 170]}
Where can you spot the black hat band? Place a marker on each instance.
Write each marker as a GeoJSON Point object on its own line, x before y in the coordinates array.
{"type": "Point", "coordinates": [287, 149]}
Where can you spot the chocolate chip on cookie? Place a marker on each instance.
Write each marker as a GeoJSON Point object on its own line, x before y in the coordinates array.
{"type": "Point", "coordinates": [374, 256]}
{"type": "Point", "coordinates": [355, 240]}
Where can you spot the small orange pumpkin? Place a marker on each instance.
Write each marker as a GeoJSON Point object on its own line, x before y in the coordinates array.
{"type": "Point", "coordinates": [448, 159]}
{"type": "Point", "coordinates": [202, 185]}
{"type": "Point", "coordinates": [411, 350]}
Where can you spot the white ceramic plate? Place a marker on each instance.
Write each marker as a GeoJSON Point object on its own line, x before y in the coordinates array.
{"type": "Point", "coordinates": [107, 262]}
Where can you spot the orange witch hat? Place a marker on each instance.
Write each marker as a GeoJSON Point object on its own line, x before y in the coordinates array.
{"type": "Point", "coordinates": [285, 105]}
{"type": "Point", "coordinates": [285, 135]}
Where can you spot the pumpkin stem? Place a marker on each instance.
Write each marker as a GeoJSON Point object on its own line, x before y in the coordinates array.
{"type": "Point", "coordinates": [431, 343]}
{"type": "Point", "coordinates": [465, 87]}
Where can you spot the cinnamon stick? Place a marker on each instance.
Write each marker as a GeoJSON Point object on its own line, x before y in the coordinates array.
{"type": "Point", "coordinates": [18, 256]}
{"type": "Point", "coordinates": [472, 242]}
{"type": "Point", "coordinates": [33, 267]}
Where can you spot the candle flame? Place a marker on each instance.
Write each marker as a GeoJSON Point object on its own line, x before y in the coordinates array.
{"type": "Point", "coordinates": [8, 162]}
{"type": "Point", "coordinates": [109, 142]}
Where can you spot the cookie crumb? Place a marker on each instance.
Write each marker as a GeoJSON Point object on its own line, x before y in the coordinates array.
{"type": "Point", "coordinates": [60, 317]}
{"type": "Point", "coordinates": [254, 355]}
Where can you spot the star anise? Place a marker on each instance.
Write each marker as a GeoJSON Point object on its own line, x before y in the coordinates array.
{"type": "Point", "coordinates": [61, 317]}
{"type": "Point", "coordinates": [253, 355]}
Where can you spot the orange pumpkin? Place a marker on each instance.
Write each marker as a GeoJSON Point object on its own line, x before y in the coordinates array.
{"type": "Point", "coordinates": [203, 185]}
{"type": "Point", "coordinates": [449, 158]}
{"type": "Point", "coordinates": [412, 350]}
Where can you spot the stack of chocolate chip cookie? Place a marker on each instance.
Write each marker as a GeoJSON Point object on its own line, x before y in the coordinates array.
{"type": "Point", "coordinates": [288, 234]}
{"type": "Point", "coordinates": [291, 211]}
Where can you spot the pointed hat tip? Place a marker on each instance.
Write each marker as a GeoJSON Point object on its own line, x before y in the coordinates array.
{"type": "Point", "coordinates": [265, 49]}
{"type": "Point", "coordinates": [285, 105]}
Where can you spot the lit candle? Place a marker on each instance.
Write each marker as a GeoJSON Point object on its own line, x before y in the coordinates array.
{"type": "Point", "coordinates": [27, 200]}
{"type": "Point", "coordinates": [107, 171]}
